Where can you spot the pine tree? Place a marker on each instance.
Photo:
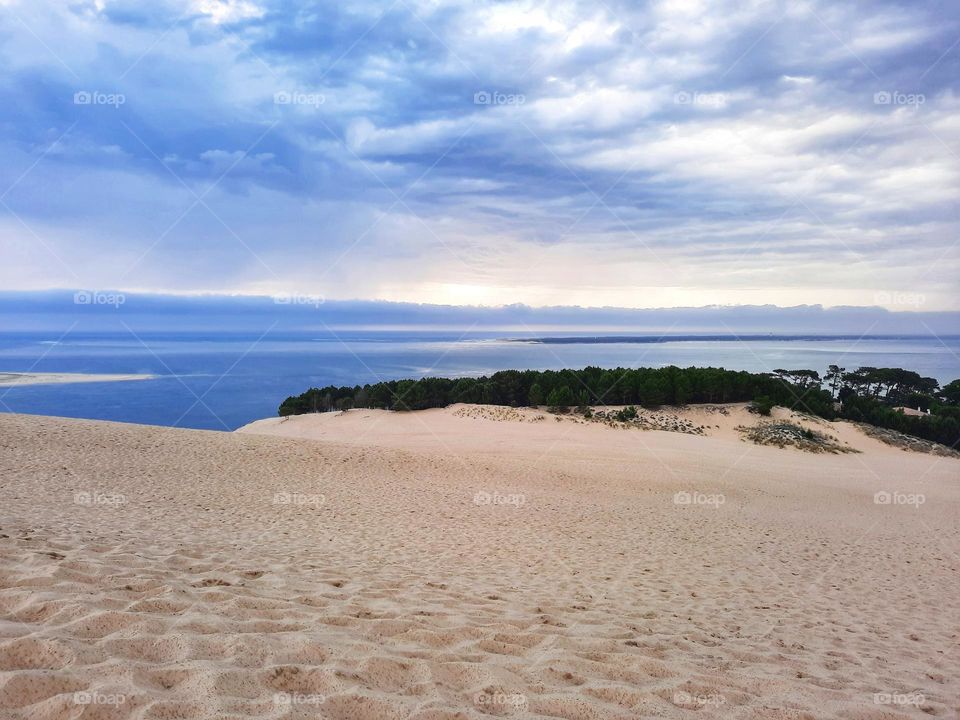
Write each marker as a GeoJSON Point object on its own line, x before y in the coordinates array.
{"type": "Point", "coordinates": [535, 398]}
{"type": "Point", "coordinates": [560, 398]}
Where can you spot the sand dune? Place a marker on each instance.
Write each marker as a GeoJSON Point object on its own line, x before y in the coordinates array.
{"type": "Point", "coordinates": [472, 563]}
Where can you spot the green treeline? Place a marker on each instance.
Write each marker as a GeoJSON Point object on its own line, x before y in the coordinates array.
{"type": "Point", "coordinates": [864, 395]}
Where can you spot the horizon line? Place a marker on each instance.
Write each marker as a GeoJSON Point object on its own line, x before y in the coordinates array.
{"type": "Point", "coordinates": [317, 299]}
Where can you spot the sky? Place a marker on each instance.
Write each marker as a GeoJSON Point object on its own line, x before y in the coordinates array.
{"type": "Point", "coordinates": [59, 314]}
{"type": "Point", "coordinates": [630, 154]}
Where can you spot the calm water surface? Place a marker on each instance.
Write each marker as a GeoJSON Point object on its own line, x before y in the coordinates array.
{"type": "Point", "coordinates": [227, 381]}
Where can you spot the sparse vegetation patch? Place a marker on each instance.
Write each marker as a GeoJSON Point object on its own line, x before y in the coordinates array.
{"type": "Point", "coordinates": [783, 434]}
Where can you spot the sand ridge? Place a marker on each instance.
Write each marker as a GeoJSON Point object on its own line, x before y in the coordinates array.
{"type": "Point", "coordinates": [400, 567]}
{"type": "Point", "coordinates": [478, 428]}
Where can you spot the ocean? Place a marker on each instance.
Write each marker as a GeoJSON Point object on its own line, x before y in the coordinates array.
{"type": "Point", "coordinates": [224, 381]}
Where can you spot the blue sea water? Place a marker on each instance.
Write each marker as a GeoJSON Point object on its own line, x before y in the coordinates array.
{"type": "Point", "coordinates": [221, 382]}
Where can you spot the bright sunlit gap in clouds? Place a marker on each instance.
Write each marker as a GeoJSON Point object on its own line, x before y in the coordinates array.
{"type": "Point", "coordinates": [642, 297]}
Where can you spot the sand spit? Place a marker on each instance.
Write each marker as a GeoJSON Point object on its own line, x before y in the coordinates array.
{"type": "Point", "coordinates": [32, 378]}
{"type": "Point", "coordinates": [436, 566]}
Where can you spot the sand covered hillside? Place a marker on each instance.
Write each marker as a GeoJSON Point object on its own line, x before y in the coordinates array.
{"type": "Point", "coordinates": [470, 563]}
{"type": "Point", "coordinates": [521, 431]}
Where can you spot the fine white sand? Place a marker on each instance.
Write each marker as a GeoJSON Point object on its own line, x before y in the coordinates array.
{"type": "Point", "coordinates": [469, 563]}
{"type": "Point", "coordinates": [32, 378]}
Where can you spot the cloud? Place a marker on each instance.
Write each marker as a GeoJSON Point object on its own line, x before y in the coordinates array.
{"type": "Point", "coordinates": [57, 312]}
{"type": "Point", "coordinates": [629, 153]}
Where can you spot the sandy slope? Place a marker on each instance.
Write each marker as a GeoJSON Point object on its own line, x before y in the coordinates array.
{"type": "Point", "coordinates": [437, 565]}
{"type": "Point", "coordinates": [477, 428]}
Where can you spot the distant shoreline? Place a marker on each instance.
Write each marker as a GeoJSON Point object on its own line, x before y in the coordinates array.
{"type": "Point", "coordinates": [12, 379]}
{"type": "Point", "coordinates": [652, 338]}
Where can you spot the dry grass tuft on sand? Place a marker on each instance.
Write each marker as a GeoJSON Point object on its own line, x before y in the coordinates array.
{"type": "Point", "coordinates": [907, 442]}
{"type": "Point", "coordinates": [783, 434]}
